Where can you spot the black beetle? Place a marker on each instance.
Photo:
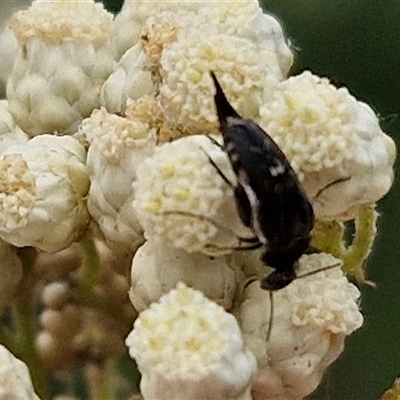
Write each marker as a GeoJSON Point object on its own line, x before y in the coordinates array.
{"type": "Point", "coordinates": [269, 196]}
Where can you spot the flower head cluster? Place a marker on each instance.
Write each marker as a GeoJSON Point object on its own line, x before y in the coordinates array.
{"type": "Point", "coordinates": [15, 381]}
{"type": "Point", "coordinates": [157, 268]}
{"type": "Point", "coordinates": [191, 347]}
{"type": "Point", "coordinates": [337, 311]}
{"type": "Point", "coordinates": [110, 130]}
{"type": "Point", "coordinates": [333, 142]}
{"type": "Point", "coordinates": [186, 91]}
{"type": "Point", "coordinates": [163, 29]}
{"type": "Point", "coordinates": [63, 59]}
{"type": "Point", "coordinates": [131, 79]}
{"type": "Point", "coordinates": [43, 185]}
{"type": "Point", "coordinates": [306, 115]}
{"type": "Point", "coordinates": [310, 319]}
{"type": "Point", "coordinates": [10, 132]}
{"type": "Point", "coordinates": [184, 41]}
{"type": "Point", "coordinates": [241, 18]}
{"type": "Point", "coordinates": [184, 191]}
{"type": "Point", "coordinates": [8, 41]}
{"type": "Point", "coordinates": [133, 16]}
{"type": "Point", "coordinates": [179, 195]}
{"type": "Point", "coordinates": [58, 21]}
{"type": "Point", "coordinates": [118, 146]}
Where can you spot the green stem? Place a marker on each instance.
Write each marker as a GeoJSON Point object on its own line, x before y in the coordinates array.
{"type": "Point", "coordinates": [329, 237]}
{"type": "Point", "coordinates": [6, 339]}
{"type": "Point", "coordinates": [90, 264]}
{"type": "Point", "coordinates": [364, 237]}
{"type": "Point", "coordinates": [99, 380]}
{"type": "Point", "coordinates": [98, 303]}
{"type": "Point", "coordinates": [86, 295]}
{"type": "Point", "coordinates": [25, 324]}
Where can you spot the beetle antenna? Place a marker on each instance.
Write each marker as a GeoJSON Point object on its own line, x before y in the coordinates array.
{"type": "Point", "coordinates": [339, 264]}
{"type": "Point", "coordinates": [271, 313]}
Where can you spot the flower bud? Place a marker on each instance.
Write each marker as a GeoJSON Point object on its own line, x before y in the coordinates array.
{"type": "Point", "coordinates": [188, 347]}
{"type": "Point", "coordinates": [43, 193]}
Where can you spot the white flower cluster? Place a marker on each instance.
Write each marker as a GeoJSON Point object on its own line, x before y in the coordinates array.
{"type": "Point", "coordinates": [172, 339]}
{"type": "Point", "coordinates": [180, 196]}
{"type": "Point", "coordinates": [14, 377]}
{"type": "Point", "coordinates": [10, 132]}
{"type": "Point", "coordinates": [64, 57]}
{"type": "Point", "coordinates": [187, 347]}
{"type": "Point", "coordinates": [248, 51]}
{"type": "Point", "coordinates": [110, 130]}
{"type": "Point", "coordinates": [118, 146]}
{"type": "Point", "coordinates": [311, 318]}
{"type": "Point", "coordinates": [8, 42]}
{"type": "Point", "coordinates": [157, 268]}
{"type": "Point", "coordinates": [43, 184]}
{"type": "Point", "coordinates": [333, 142]}
{"type": "Point", "coordinates": [131, 79]}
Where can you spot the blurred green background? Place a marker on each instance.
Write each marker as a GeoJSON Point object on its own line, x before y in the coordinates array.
{"type": "Point", "coordinates": [356, 43]}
